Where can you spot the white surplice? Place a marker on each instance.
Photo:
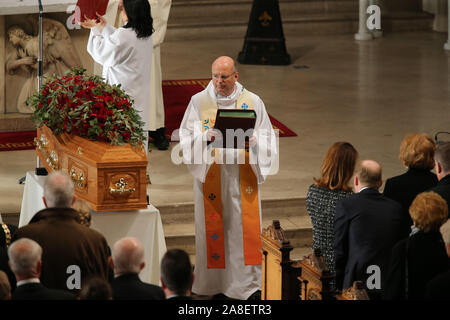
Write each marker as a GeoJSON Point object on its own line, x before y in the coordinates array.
{"type": "Point", "coordinates": [236, 280]}
{"type": "Point", "coordinates": [126, 60]}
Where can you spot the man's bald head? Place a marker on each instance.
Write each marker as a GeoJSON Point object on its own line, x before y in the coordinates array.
{"type": "Point", "coordinates": [128, 256]}
{"type": "Point", "coordinates": [368, 174]}
{"type": "Point", "coordinates": [224, 75]}
{"type": "Point", "coordinates": [225, 62]}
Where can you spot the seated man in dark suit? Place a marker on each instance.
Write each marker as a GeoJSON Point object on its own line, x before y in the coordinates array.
{"type": "Point", "coordinates": [367, 225]}
{"type": "Point", "coordinates": [176, 275]}
{"type": "Point", "coordinates": [127, 260]}
{"type": "Point", "coordinates": [25, 261]}
{"type": "Point", "coordinates": [439, 287]}
{"type": "Point", "coordinates": [442, 166]}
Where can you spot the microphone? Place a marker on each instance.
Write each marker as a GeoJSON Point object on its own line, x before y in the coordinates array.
{"type": "Point", "coordinates": [40, 71]}
{"type": "Point", "coordinates": [40, 170]}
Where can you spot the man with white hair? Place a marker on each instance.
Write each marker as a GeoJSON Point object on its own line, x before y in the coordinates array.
{"type": "Point", "coordinates": [127, 260]}
{"type": "Point", "coordinates": [26, 263]}
{"type": "Point", "coordinates": [71, 252]}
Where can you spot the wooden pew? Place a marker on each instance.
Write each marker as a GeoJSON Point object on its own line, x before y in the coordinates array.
{"type": "Point", "coordinates": [279, 272]}
{"type": "Point", "coordinates": [306, 279]}
{"type": "Point", "coordinates": [315, 278]}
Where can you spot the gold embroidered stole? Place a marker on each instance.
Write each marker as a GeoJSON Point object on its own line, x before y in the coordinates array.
{"type": "Point", "coordinates": [212, 197]}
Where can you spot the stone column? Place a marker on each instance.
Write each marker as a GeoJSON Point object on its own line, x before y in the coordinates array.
{"type": "Point", "coordinates": [447, 45]}
{"type": "Point", "coordinates": [363, 32]}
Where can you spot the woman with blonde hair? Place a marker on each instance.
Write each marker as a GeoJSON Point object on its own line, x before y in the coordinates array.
{"type": "Point", "coordinates": [333, 184]}
{"type": "Point", "coordinates": [419, 258]}
{"type": "Point", "coordinates": [416, 154]}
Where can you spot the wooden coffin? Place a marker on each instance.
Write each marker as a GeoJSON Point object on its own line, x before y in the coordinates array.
{"type": "Point", "coordinates": [109, 178]}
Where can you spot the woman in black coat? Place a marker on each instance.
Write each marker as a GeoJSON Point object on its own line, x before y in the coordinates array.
{"type": "Point", "coordinates": [333, 184]}
{"type": "Point", "coordinates": [419, 258]}
{"type": "Point", "coordinates": [416, 154]}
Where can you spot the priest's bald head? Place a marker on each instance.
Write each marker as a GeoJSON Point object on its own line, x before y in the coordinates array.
{"type": "Point", "coordinates": [368, 174]}
{"type": "Point", "coordinates": [224, 75]}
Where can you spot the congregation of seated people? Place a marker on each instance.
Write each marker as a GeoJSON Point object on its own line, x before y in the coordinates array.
{"type": "Point", "coordinates": [403, 231]}
{"type": "Point", "coordinates": [395, 242]}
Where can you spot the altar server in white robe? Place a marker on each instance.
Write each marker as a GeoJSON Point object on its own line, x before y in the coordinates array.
{"type": "Point", "coordinates": [126, 53]}
{"type": "Point", "coordinates": [227, 196]}
{"type": "Point", "coordinates": [160, 14]}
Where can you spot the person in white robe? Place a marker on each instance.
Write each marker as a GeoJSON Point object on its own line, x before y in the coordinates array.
{"type": "Point", "coordinates": [126, 53]}
{"type": "Point", "coordinates": [235, 276]}
{"type": "Point", "coordinates": [160, 14]}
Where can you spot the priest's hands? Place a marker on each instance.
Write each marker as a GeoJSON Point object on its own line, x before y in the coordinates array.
{"type": "Point", "coordinates": [251, 142]}
{"type": "Point", "coordinates": [213, 135]}
{"type": "Point", "coordinates": [90, 23]}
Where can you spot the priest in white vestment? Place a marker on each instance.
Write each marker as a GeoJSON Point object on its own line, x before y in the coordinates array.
{"type": "Point", "coordinates": [228, 247]}
{"type": "Point", "coordinates": [126, 54]}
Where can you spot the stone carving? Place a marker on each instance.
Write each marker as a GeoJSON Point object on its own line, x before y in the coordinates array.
{"type": "Point", "coordinates": [59, 55]}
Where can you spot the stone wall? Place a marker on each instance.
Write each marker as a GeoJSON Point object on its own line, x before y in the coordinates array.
{"type": "Point", "coordinates": [19, 78]}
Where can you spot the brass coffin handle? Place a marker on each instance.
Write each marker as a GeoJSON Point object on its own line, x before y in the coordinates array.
{"type": "Point", "coordinates": [121, 188]}
{"type": "Point", "coordinates": [77, 180]}
{"type": "Point", "coordinates": [50, 157]}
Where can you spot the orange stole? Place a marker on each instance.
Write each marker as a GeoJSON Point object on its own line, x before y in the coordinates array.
{"type": "Point", "coordinates": [251, 227]}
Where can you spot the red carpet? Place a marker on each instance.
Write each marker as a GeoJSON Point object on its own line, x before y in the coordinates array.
{"type": "Point", "coordinates": [178, 93]}
{"type": "Point", "coordinates": [23, 140]}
